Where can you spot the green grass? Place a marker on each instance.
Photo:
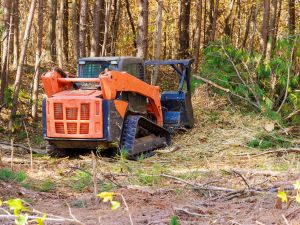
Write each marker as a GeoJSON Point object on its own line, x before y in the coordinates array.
{"type": "Point", "coordinates": [46, 186]}
{"type": "Point", "coordinates": [81, 181]}
{"type": "Point", "coordinates": [9, 176]}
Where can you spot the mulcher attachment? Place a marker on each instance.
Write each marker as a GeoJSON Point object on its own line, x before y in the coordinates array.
{"type": "Point", "coordinates": [141, 136]}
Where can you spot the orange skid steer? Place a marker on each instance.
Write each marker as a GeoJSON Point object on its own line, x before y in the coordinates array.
{"type": "Point", "coordinates": [110, 105]}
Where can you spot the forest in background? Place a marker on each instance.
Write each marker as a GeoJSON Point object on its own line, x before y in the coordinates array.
{"type": "Point", "coordinates": [247, 49]}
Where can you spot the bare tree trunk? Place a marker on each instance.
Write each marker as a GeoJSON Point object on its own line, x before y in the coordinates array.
{"type": "Point", "coordinates": [238, 35]}
{"type": "Point", "coordinates": [51, 40]}
{"type": "Point", "coordinates": [265, 26]}
{"type": "Point", "coordinates": [204, 24]}
{"type": "Point", "coordinates": [66, 31]}
{"type": "Point", "coordinates": [277, 23]}
{"type": "Point", "coordinates": [82, 27]}
{"type": "Point", "coordinates": [292, 17]}
{"type": "Point", "coordinates": [158, 38]}
{"type": "Point", "coordinates": [7, 5]}
{"type": "Point", "coordinates": [131, 22]}
{"type": "Point", "coordinates": [211, 21]}
{"type": "Point", "coordinates": [214, 25]}
{"type": "Point", "coordinates": [247, 29]}
{"type": "Point", "coordinates": [75, 29]}
{"type": "Point", "coordinates": [272, 31]}
{"type": "Point", "coordinates": [21, 60]}
{"type": "Point", "coordinates": [253, 24]}
{"type": "Point", "coordinates": [227, 27]}
{"type": "Point", "coordinates": [106, 26]}
{"type": "Point", "coordinates": [184, 27]}
{"type": "Point", "coordinates": [142, 38]}
{"type": "Point", "coordinates": [60, 33]}
{"type": "Point", "coordinates": [115, 25]}
{"type": "Point", "coordinates": [16, 22]}
{"type": "Point", "coordinates": [38, 56]}
{"type": "Point", "coordinates": [95, 47]}
{"type": "Point", "coordinates": [197, 35]}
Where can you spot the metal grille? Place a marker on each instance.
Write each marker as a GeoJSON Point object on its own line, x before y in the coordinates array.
{"type": "Point", "coordinates": [58, 111]}
{"type": "Point", "coordinates": [84, 128]}
{"type": "Point", "coordinates": [85, 111]}
{"type": "Point", "coordinates": [59, 128]}
{"type": "Point", "coordinates": [71, 113]}
{"type": "Point", "coordinates": [72, 128]}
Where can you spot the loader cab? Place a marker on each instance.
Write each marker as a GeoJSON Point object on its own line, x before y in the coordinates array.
{"type": "Point", "coordinates": [91, 67]}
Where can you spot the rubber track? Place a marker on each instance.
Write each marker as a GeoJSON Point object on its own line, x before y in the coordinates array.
{"type": "Point", "coordinates": [130, 127]}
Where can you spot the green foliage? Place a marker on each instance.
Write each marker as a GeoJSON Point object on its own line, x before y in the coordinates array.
{"type": "Point", "coordinates": [260, 81]}
{"type": "Point", "coordinates": [152, 177]}
{"type": "Point", "coordinates": [269, 140]}
{"type": "Point", "coordinates": [174, 221]}
{"type": "Point", "coordinates": [81, 181]}
{"type": "Point", "coordinates": [46, 186]}
{"type": "Point", "coordinates": [8, 175]}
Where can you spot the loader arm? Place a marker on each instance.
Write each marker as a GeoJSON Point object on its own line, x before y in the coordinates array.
{"type": "Point", "coordinates": [113, 82]}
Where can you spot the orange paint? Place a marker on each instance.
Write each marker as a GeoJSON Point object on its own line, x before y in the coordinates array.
{"type": "Point", "coordinates": [121, 107]}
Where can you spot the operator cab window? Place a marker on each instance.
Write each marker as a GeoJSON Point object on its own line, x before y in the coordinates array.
{"type": "Point", "coordinates": [135, 69]}
{"type": "Point", "coordinates": [93, 69]}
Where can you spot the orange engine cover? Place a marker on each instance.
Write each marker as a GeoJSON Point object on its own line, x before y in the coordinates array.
{"type": "Point", "coordinates": [75, 114]}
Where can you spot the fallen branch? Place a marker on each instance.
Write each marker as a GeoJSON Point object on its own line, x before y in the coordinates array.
{"type": "Point", "coordinates": [227, 91]}
{"type": "Point", "coordinates": [34, 150]}
{"type": "Point", "coordinates": [189, 213]}
{"type": "Point", "coordinates": [291, 150]}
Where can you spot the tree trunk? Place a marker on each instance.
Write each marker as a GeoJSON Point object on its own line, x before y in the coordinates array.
{"type": "Point", "coordinates": [265, 26]}
{"type": "Point", "coordinates": [95, 47]}
{"type": "Point", "coordinates": [60, 33]}
{"type": "Point", "coordinates": [75, 29]}
{"type": "Point", "coordinates": [106, 27]}
{"type": "Point", "coordinates": [215, 18]}
{"type": "Point", "coordinates": [66, 31]}
{"type": "Point", "coordinates": [227, 27]}
{"type": "Point", "coordinates": [272, 31]}
{"type": "Point", "coordinates": [131, 22]}
{"type": "Point", "coordinates": [38, 55]}
{"type": "Point", "coordinates": [142, 38]}
{"type": "Point", "coordinates": [158, 29]}
{"type": "Point", "coordinates": [51, 41]}
{"type": "Point", "coordinates": [7, 5]}
{"type": "Point", "coordinates": [253, 24]}
{"type": "Point", "coordinates": [115, 25]}
{"type": "Point", "coordinates": [211, 21]}
{"type": "Point", "coordinates": [82, 27]}
{"type": "Point", "coordinates": [292, 17]}
{"type": "Point", "coordinates": [197, 41]}
{"type": "Point", "coordinates": [247, 29]}
{"type": "Point", "coordinates": [184, 27]}
{"type": "Point", "coordinates": [16, 28]}
{"type": "Point", "coordinates": [21, 60]}
{"type": "Point", "coordinates": [204, 24]}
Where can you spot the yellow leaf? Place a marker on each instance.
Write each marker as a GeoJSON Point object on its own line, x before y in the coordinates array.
{"type": "Point", "coordinates": [298, 198]}
{"type": "Point", "coordinates": [297, 185]}
{"type": "Point", "coordinates": [1, 203]}
{"type": "Point", "coordinates": [40, 221]}
{"type": "Point", "coordinates": [282, 195]}
{"type": "Point", "coordinates": [115, 205]}
{"type": "Point", "coordinates": [107, 196]}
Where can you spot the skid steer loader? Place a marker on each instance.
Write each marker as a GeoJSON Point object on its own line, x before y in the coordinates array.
{"type": "Point", "coordinates": [109, 104]}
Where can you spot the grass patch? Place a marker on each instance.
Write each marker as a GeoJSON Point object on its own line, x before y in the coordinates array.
{"type": "Point", "coordinates": [8, 175]}
{"type": "Point", "coordinates": [46, 186]}
{"type": "Point", "coordinates": [269, 140]}
{"type": "Point", "coordinates": [81, 181]}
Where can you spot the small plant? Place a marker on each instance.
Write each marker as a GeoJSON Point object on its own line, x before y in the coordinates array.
{"type": "Point", "coordinates": [174, 221]}
{"type": "Point", "coordinates": [8, 175]}
{"type": "Point", "coordinates": [46, 186]}
{"type": "Point", "coordinates": [81, 181]}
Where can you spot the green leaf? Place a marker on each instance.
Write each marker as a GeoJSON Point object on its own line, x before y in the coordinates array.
{"type": "Point", "coordinates": [115, 205]}
{"type": "Point", "coordinates": [22, 219]}
{"type": "Point", "coordinates": [282, 195]}
{"type": "Point", "coordinates": [40, 221]}
{"type": "Point", "coordinates": [16, 205]}
{"type": "Point", "coordinates": [174, 221]}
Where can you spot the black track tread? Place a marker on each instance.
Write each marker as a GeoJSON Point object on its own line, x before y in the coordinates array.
{"type": "Point", "coordinates": [130, 126]}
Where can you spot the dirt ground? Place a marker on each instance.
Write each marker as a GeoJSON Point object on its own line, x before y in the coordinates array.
{"type": "Point", "coordinates": [208, 176]}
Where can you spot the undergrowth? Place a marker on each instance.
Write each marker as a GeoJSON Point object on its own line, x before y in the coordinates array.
{"type": "Point", "coordinates": [8, 175]}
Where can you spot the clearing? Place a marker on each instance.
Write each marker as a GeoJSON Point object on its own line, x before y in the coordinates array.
{"type": "Point", "coordinates": [208, 176]}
